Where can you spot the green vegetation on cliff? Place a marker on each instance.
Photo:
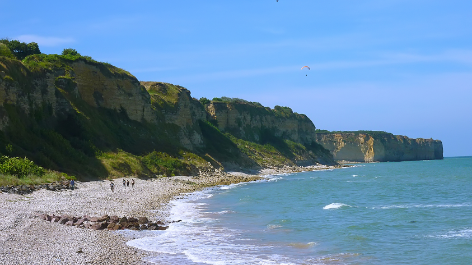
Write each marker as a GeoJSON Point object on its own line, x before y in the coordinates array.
{"type": "Point", "coordinates": [18, 49]}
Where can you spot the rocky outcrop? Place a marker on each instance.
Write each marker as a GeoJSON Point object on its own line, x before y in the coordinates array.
{"type": "Point", "coordinates": [105, 222]}
{"type": "Point", "coordinates": [26, 189]}
{"type": "Point", "coordinates": [379, 147]}
{"type": "Point", "coordinates": [254, 123]}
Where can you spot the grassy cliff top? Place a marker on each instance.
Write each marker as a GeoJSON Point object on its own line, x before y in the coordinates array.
{"type": "Point", "coordinates": [38, 62]}
{"type": "Point", "coordinates": [253, 107]}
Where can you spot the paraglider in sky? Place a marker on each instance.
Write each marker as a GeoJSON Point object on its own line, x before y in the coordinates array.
{"type": "Point", "coordinates": [306, 67]}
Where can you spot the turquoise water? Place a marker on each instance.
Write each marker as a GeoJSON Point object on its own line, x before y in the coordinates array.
{"type": "Point", "coordinates": [380, 213]}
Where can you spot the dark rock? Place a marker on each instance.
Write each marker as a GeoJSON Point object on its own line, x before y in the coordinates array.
{"type": "Point", "coordinates": [104, 218]}
{"type": "Point", "coordinates": [143, 227]}
{"type": "Point", "coordinates": [114, 219]}
{"type": "Point", "coordinates": [152, 227]}
{"type": "Point", "coordinates": [132, 220]}
{"type": "Point", "coordinates": [162, 227]}
{"type": "Point", "coordinates": [117, 227]}
{"type": "Point", "coordinates": [79, 222]}
{"type": "Point", "coordinates": [63, 220]}
{"type": "Point", "coordinates": [99, 226]}
{"type": "Point", "coordinates": [143, 220]}
{"type": "Point", "coordinates": [123, 220]}
{"type": "Point", "coordinates": [110, 226]}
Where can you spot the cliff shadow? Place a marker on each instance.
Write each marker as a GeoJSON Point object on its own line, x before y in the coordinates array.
{"type": "Point", "coordinates": [268, 137]}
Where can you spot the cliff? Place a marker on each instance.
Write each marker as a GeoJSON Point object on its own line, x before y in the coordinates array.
{"type": "Point", "coordinates": [379, 147]}
{"type": "Point", "coordinates": [255, 123]}
{"type": "Point", "coordinates": [76, 115]}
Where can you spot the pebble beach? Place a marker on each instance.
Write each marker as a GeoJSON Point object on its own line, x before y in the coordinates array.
{"type": "Point", "coordinates": [27, 239]}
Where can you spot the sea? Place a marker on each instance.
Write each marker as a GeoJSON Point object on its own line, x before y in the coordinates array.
{"type": "Point", "coordinates": [412, 212]}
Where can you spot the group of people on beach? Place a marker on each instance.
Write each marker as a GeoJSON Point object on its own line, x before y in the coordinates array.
{"type": "Point", "coordinates": [125, 184]}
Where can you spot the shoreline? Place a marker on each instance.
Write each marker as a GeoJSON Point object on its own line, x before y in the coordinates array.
{"type": "Point", "coordinates": [26, 239]}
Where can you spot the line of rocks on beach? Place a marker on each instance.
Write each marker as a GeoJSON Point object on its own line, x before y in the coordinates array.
{"type": "Point", "coordinates": [27, 189]}
{"type": "Point", "coordinates": [106, 222]}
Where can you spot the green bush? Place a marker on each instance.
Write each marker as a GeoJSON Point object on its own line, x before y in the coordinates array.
{"type": "Point", "coordinates": [283, 111]}
{"type": "Point", "coordinates": [162, 163]}
{"type": "Point", "coordinates": [20, 167]}
{"type": "Point", "coordinates": [5, 51]}
{"type": "Point", "coordinates": [70, 51]}
{"type": "Point", "coordinates": [21, 49]}
{"type": "Point", "coordinates": [204, 101]}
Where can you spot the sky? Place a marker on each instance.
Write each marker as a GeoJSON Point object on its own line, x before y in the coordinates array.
{"type": "Point", "coordinates": [399, 66]}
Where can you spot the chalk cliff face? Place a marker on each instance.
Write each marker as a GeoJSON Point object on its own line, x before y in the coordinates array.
{"type": "Point", "coordinates": [84, 81]}
{"type": "Point", "coordinates": [379, 147]}
{"type": "Point", "coordinates": [87, 82]}
{"type": "Point", "coordinates": [79, 84]}
{"type": "Point", "coordinates": [176, 106]}
{"type": "Point", "coordinates": [254, 123]}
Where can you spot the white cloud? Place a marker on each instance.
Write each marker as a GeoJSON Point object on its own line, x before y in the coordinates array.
{"type": "Point", "coordinates": [45, 41]}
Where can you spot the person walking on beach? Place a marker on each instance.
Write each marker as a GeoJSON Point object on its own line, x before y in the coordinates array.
{"type": "Point", "coordinates": [112, 186]}
{"type": "Point", "coordinates": [132, 183]}
{"type": "Point", "coordinates": [124, 183]}
{"type": "Point", "coordinates": [72, 184]}
{"type": "Point", "coordinates": [127, 183]}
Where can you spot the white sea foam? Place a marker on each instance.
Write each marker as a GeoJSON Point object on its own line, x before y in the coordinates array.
{"type": "Point", "coordinates": [303, 245]}
{"type": "Point", "coordinates": [465, 233]}
{"type": "Point", "coordinates": [272, 226]}
{"type": "Point", "coordinates": [196, 240]}
{"type": "Point", "coordinates": [335, 205]}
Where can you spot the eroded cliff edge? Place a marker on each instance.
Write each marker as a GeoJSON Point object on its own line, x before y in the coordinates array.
{"type": "Point", "coordinates": [379, 147]}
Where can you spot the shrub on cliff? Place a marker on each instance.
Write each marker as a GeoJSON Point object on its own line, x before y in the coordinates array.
{"type": "Point", "coordinates": [20, 167]}
{"type": "Point", "coordinates": [204, 101]}
{"type": "Point", "coordinates": [236, 101]}
{"type": "Point", "coordinates": [21, 49]}
{"type": "Point", "coordinates": [5, 51]}
{"type": "Point", "coordinates": [283, 111]}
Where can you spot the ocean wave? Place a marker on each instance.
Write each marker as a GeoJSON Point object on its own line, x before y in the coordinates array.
{"type": "Point", "coordinates": [272, 226]}
{"type": "Point", "coordinates": [466, 233]}
{"type": "Point", "coordinates": [231, 186]}
{"type": "Point", "coordinates": [303, 245]}
{"type": "Point", "coordinates": [335, 205]}
{"type": "Point", "coordinates": [225, 212]}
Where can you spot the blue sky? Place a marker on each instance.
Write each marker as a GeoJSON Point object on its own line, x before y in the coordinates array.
{"type": "Point", "coordinates": [399, 66]}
